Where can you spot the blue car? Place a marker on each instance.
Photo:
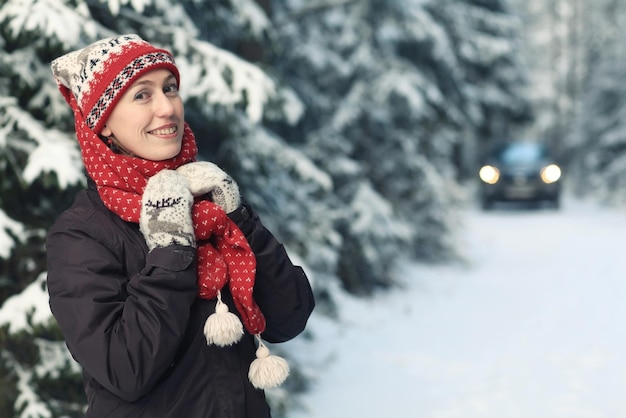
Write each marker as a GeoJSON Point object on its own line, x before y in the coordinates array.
{"type": "Point", "coordinates": [520, 171]}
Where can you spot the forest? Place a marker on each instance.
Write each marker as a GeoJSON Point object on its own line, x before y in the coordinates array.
{"type": "Point", "coordinates": [354, 127]}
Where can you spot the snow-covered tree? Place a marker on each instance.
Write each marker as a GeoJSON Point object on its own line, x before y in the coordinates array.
{"type": "Point", "coordinates": [575, 55]}
{"type": "Point", "coordinates": [599, 165]}
{"type": "Point", "coordinates": [397, 92]}
{"type": "Point", "coordinates": [601, 162]}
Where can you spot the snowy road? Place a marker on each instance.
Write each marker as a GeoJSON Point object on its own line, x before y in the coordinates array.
{"type": "Point", "coordinates": [533, 327]}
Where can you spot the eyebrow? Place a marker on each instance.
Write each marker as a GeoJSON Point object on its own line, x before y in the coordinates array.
{"type": "Point", "coordinates": [150, 82]}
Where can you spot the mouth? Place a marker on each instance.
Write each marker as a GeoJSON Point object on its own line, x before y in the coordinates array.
{"type": "Point", "coordinates": [164, 131]}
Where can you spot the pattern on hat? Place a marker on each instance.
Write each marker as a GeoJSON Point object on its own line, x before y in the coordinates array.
{"type": "Point", "coordinates": [98, 74]}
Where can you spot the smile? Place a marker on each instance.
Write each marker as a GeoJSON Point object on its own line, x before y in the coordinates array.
{"type": "Point", "coordinates": [165, 131]}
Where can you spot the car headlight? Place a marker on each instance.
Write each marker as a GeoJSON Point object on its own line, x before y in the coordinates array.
{"type": "Point", "coordinates": [489, 174]}
{"type": "Point", "coordinates": [550, 173]}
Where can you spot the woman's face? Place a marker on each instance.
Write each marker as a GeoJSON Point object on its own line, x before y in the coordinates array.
{"type": "Point", "coordinates": [148, 120]}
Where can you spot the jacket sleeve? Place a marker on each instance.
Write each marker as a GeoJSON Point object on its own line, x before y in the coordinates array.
{"type": "Point", "coordinates": [124, 331]}
{"type": "Point", "coordinates": [281, 289]}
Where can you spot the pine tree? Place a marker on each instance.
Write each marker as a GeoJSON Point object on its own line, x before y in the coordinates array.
{"type": "Point", "coordinates": [598, 139]}
{"type": "Point", "coordinates": [401, 91]}
{"type": "Point", "coordinates": [600, 165]}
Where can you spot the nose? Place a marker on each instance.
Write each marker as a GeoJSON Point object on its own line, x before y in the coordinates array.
{"type": "Point", "coordinates": [163, 105]}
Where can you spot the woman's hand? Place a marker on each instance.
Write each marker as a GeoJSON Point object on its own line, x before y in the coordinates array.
{"type": "Point", "coordinates": [205, 178]}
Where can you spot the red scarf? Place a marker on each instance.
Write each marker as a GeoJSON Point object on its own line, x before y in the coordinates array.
{"type": "Point", "coordinates": [224, 255]}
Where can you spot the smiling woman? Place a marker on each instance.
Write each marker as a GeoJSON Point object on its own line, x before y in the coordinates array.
{"type": "Point", "coordinates": [162, 279]}
{"type": "Point", "coordinates": [148, 120]}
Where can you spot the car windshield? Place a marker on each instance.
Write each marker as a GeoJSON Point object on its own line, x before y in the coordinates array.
{"type": "Point", "coordinates": [522, 153]}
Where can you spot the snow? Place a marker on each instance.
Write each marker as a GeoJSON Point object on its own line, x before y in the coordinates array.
{"type": "Point", "coordinates": [271, 148]}
{"type": "Point", "coordinates": [371, 209]}
{"type": "Point", "coordinates": [26, 308]}
{"type": "Point", "coordinates": [138, 5]}
{"type": "Point", "coordinates": [53, 18]}
{"type": "Point", "coordinates": [53, 151]}
{"type": "Point", "coordinates": [58, 155]}
{"type": "Point", "coordinates": [529, 326]}
{"type": "Point", "coordinates": [28, 402]}
{"type": "Point", "coordinates": [250, 12]}
{"type": "Point", "coordinates": [8, 226]}
{"type": "Point", "coordinates": [244, 79]}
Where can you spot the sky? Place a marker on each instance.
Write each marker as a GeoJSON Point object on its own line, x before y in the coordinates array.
{"type": "Point", "coordinates": [529, 326]}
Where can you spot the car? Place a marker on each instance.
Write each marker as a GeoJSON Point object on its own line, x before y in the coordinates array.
{"type": "Point", "coordinates": [522, 171]}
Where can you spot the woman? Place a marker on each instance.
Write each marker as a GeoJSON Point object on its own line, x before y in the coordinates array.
{"type": "Point", "coordinates": [158, 275]}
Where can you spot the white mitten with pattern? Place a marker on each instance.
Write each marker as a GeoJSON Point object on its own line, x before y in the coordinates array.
{"type": "Point", "coordinates": [165, 217]}
{"type": "Point", "coordinates": [207, 178]}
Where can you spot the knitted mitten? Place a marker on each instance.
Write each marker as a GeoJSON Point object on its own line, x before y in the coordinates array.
{"type": "Point", "coordinates": [207, 178]}
{"type": "Point", "coordinates": [165, 217]}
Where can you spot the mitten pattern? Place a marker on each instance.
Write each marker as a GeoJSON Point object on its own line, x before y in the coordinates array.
{"type": "Point", "coordinates": [205, 177]}
{"type": "Point", "coordinates": [166, 211]}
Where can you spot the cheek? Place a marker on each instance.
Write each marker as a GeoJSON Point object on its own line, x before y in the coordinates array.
{"type": "Point", "coordinates": [119, 122]}
{"type": "Point", "coordinates": [180, 109]}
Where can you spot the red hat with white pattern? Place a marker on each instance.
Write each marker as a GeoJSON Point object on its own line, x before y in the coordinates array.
{"type": "Point", "coordinates": [99, 74]}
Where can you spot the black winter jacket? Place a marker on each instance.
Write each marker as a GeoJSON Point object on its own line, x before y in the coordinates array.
{"type": "Point", "coordinates": [134, 321]}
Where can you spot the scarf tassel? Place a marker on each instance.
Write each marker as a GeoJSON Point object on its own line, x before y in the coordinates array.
{"type": "Point", "coordinates": [223, 328]}
{"type": "Point", "coordinates": [267, 370]}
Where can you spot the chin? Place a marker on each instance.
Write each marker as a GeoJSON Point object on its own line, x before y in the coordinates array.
{"type": "Point", "coordinates": [165, 155]}
{"type": "Point", "coordinates": [171, 155]}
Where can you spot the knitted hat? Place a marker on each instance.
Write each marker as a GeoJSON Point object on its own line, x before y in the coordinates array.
{"type": "Point", "coordinates": [99, 74]}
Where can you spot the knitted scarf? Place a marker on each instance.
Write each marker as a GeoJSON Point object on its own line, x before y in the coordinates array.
{"type": "Point", "coordinates": [224, 255]}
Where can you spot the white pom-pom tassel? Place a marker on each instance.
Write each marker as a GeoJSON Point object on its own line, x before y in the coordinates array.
{"type": "Point", "coordinates": [267, 371]}
{"type": "Point", "coordinates": [223, 327]}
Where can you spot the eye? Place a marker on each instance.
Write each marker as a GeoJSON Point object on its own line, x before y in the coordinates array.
{"type": "Point", "coordinates": [171, 89]}
{"type": "Point", "coordinates": [141, 95]}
